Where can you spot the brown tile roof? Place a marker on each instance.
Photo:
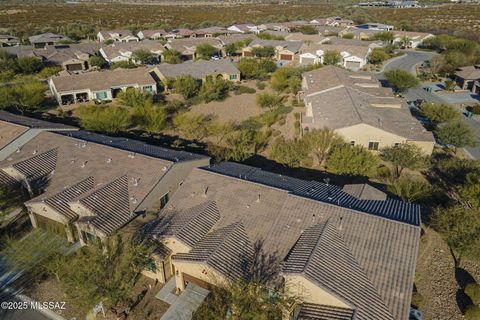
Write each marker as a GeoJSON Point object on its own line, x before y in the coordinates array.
{"type": "Point", "coordinates": [151, 32]}
{"type": "Point", "coordinates": [191, 44]}
{"type": "Point", "coordinates": [364, 192]}
{"type": "Point", "coordinates": [229, 39]}
{"type": "Point", "coordinates": [104, 80]}
{"type": "Point", "coordinates": [469, 73]}
{"type": "Point", "coordinates": [383, 248]}
{"type": "Point", "coordinates": [293, 46]}
{"type": "Point", "coordinates": [38, 166]}
{"type": "Point", "coordinates": [197, 69]}
{"type": "Point", "coordinates": [321, 256]}
{"type": "Point", "coordinates": [358, 51]}
{"type": "Point", "coordinates": [123, 48]}
{"type": "Point", "coordinates": [9, 132]}
{"type": "Point", "coordinates": [310, 311]}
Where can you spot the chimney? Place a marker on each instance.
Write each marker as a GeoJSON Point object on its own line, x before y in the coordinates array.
{"type": "Point", "coordinates": [258, 198]}
{"type": "Point", "coordinates": [18, 149]}
{"type": "Point", "coordinates": [135, 182]}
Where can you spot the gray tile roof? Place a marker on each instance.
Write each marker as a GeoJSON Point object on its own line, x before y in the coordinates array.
{"type": "Point", "coordinates": [229, 39]}
{"type": "Point", "coordinates": [293, 46]}
{"type": "Point", "coordinates": [469, 72]}
{"type": "Point", "coordinates": [197, 69]}
{"type": "Point", "coordinates": [364, 191]}
{"type": "Point", "coordinates": [322, 257]}
{"type": "Point", "coordinates": [227, 250]}
{"type": "Point", "coordinates": [122, 48]}
{"type": "Point", "coordinates": [6, 180]}
{"type": "Point", "coordinates": [32, 122]}
{"type": "Point", "coordinates": [310, 311]}
{"type": "Point", "coordinates": [38, 166]}
{"type": "Point", "coordinates": [190, 225]}
{"type": "Point", "coordinates": [384, 248]}
{"type": "Point", "coordinates": [48, 37]}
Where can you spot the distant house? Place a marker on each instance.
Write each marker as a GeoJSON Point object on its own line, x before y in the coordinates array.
{"type": "Point", "coordinates": [244, 28]}
{"type": "Point", "coordinates": [152, 34]}
{"type": "Point", "coordinates": [116, 36]}
{"type": "Point", "coordinates": [201, 69]}
{"type": "Point", "coordinates": [332, 22]}
{"type": "Point", "coordinates": [468, 78]}
{"type": "Point", "coordinates": [328, 31]}
{"type": "Point", "coordinates": [359, 33]}
{"type": "Point", "coordinates": [353, 57]}
{"type": "Point", "coordinates": [414, 39]}
{"type": "Point", "coordinates": [360, 110]}
{"type": "Point", "coordinates": [180, 33]}
{"type": "Point", "coordinates": [188, 47]}
{"type": "Point", "coordinates": [284, 50]}
{"type": "Point", "coordinates": [8, 41]}
{"type": "Point", "coordinates": [48, 39]}
{"type": "Point", "coordinates": [123, 51]}
{"type": "Point", "coordinates": [211, 32]}
{"type": "Point", "coordinates": [376, 26]}
{"type": "Point", "coordinates": [100, 86]}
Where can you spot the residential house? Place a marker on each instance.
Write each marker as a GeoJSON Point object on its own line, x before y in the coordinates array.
{"type": "Point", "coordinates": [180, 33]}
{"type": "Point", "coordinates": [328, 31]}
{"type": "Point", "coordinates": [244, 28]}
{"type": "Point", "coordinates": [307, 39]}
{"type": "Point", "coordinates": [335, 244]}
{"type": "Point", "coordinates": [284, 50]}
{"type": "Point", "coordinates": [104, 85]}
{"type": "Point", "coordinates": [200, 69]}
{"type": "Point", "coordinates": [93, 185]}
{"type": "Point", "coordinates": [281, 26]}
{"type": "Point", "coordinates": [211, 32]}
{"type": "Point", "coordinates": [116, 36]}
{"type": "Point", "coordinates": [360, 110]}
{"type": "Point", "coordinates": [353, 57]}
{"type": "Point", "coordinates": [188, 47]}
{"type": "Point", "coordinates": [231, 39]}
{"type": "Point", "coordinates": [468, 78]}
{"type": "Point", "coordinates": [376, 26]}
{"type": "Point", "coordinates": [359, 33]}
{"type": "Point", "coordinates": [332, 22]}
{"type": "Point", "coordinates": [413, 39]}
{"type": "Point", "coordinates": [124, 51]}
{"type": "Point", "coordinates": [48, 39]}
{"type": "Point", "coordinates": [9, 41]}
{"type": "Point", "coordinates": [152, 34]}
{"type": "Point", "coordinates": [73, 58]}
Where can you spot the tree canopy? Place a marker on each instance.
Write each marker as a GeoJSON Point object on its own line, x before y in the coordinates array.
{"type": "Point", "coordinates": [321, 141]}
{"type": "Point", "coordinates": [401, 80]}
{"type": "Point", "coordinates": [110, 119]}
{"type": "Point", "coordinates": [206, 51]}
{"type": "Point", "coordinates": [352, 160]}
{"type": "Point", "coordinates": [405, 155]}
{"type": "Point", "coordinates": [456, 134]}
{"type": "Point", "coordinates": [438, 113]}
{"type": "Point", "coordinates": [332, 57]}
{"type": "Point", "coordinates": [187, 86]}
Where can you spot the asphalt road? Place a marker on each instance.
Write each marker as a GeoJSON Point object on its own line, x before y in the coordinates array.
{"type": "Point", "coordinates": [408, 63]}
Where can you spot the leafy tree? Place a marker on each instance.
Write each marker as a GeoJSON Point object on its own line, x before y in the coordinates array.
{"type": "Point", "coordinates": [144, 57]}
{"type": "Point", "coordinates": [472, 312]}
{"type": "Point", "coordinates": [133, 98]}
{"type": "Point", "coordinates": [109, 119]}
{"type": "Point", "coordinates": [172, 56]}
{"type": "Point", "coordinates": [384, 36]}
{"type": "Point", "coordinates": [321, 141]}
{"type": "Point", "coordinates": [460, 227]}
{"type": "Point", "coordinates": [187, 86]}
{"type": "Point", "coordinates": [29, 65]}
{"type": "Point", "coordinates": [214, 89]}
{"type": "Point", "coordinates": [193, 127]}
{"type": "Point", "coordinates": [240, 145]}
{"type": "Point", "coordinates": [405, 41]}
{"type": "Point", "coordinates": [472, 290]}
{"type": "Point", "coordinates": [48, 72]}
{"type": "Point", "coordinates": [97, 62]}
{"type": "Point", "coordinates": [457, 134]}
{"type": "Point", "coordinates": [263, 52]}
{"type": "Point", "coordinates": [124, 65]}
{"type": "Point", "coordinates": [230, 49]}
{"type": "Point", "coordinates": [290, 153]}
{"type": "Point", "coordinates": [254, 69]}
{"type": "Point", "coordinates": [332, 57]}
{"type": "Point", "coordinates": [150, 118]}
{"type": "Point", "coordinates": [352, 160]}
{"type": "Point", "coordinates": [401, 80]}
{"type": "Point", "coordinates": [405, 155]}
{"type": "Point", "coordinates": [454, 170]}
{"type": "Point", "coordinates": [378, 55]}
{"type": "Point", "coordinates": [436, 64]}
{"type": "Point", "coordinates": [348, 35]}
{"type": "Point", "coordinates": [438, 113]}
{"type": "Point", "coordinates": [450, 85]}
{"type": "Point", "coordinates": [11, 196]}
{"type": "Point", "coordinates": [307, 29]}
{"type": "Point", "coordinates": [269, 36]}
{"type": "Point", "coordinates": [410, 189]}
{"type": "Point", "coordinates": [23, 94]}
{"type": "Point", "coordinates": [206, 51]}
{"type": "Point", "coordinates": [470, 190]}
{"type": "Point", "coordinates": [286, 80]}
{"type": "Point", "coordinates": [268, 100]}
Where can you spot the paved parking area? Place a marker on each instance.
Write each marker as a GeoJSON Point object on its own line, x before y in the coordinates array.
{"type": "Point", "coordinates": [459, 98]}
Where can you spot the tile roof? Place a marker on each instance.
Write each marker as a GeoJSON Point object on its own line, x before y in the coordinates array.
{"type": "Point", "coordinates": [364, 191]}
{"type": "Point", "coordinates": [310, 311]}
{"type": "Point", "coordinates": [151, 32]}
{"type": "Point", "coordinates": [384, 244]}
{"type": "Point", "coordinates": [6, 180]}
{"type": "Point", "coordinates": [227, 250]}
{"type": "Point", "coordinates": [32, 122]}
{"type": "Point", "coordinates": [38, 166]}
{"type": "Point", "coordinates": [293, 46]}
{"type": "Point", "coordinates": [189, 225]}
{"type": "Point", "coordinates": [108, 34]}
{"type": "Point", "coordinates": [9, 132]}
{"type": "Point", "coordinates": [48, 37]}
{"type": "Point", "coordinates": [191, 44]}
{"type": "Point", "coordinates": [469, 73]}
{"type": "Point", "coordinates": [125, 49]}
{"type": "Point", "coordinates": [103, 80]}
{"type": "Point", "coordinates": [322, 256]}
{"type": "Point", "coordinates": [229, 39]}
{"type": "Point", "coordinates": [197, 69]}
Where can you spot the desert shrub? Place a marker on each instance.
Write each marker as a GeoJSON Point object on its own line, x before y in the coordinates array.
{"type": "Point", "coordinates": [110, 119]}
{"type": "Point", "coordinates": [352, 161]}
{"type": "Point", "coordinates": [260, 85]}
{"type": "Point", "coordinates": [238, 90]}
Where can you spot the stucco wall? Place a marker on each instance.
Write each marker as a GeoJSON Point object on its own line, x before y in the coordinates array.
{"type": "Point", "coordinates": [197, 270]}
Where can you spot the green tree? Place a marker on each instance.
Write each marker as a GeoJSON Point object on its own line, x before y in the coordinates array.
{"type": "Point", "coordinates": [460, 227]}
{"type": "Point", "coordinates": [150, 118]}
{"type": "Point", "coordinates": [332, 57]}
{"type": "Point", "coordinates": [23, 94]}
{"type": "Point", "coordinates": [472, 290]}
{"type": "Point", "coordinates": [124, 65]}
{"type": "Point", "coordinates": [230, 49]}
{"type": "Point", "coordinates": [193, 127]}
{"type": "Point", "coordinates": [307, 29]}
{"type": "Point", "coordinates": [378, 55]}
{"type": "Point", "coordinates": [172, 56]}
{"type": "Point", "coordinates": [187, 86]}
{"type": "Point", "coordinates": [254, 69]}
{"type": "Point", "coordinates": [401, 80]}
{"type": "Point", "coordinates": [48, 72]}
{"type": "Point", "coordinates": [110, 119]}
{"type": "Point", "coordinates": [405, 155]}
{"type": "Point", "coordinates": [320, 142]}
{"type": "Point", "coordinates": [144, 57]}
{"type": "Point", "coordinates": [405, 41]}
{"type": "Point", "coordinates": [240, 145]}
{"type": "Point", "coordinates": [11, 196]}
{"type": "Point", "coordinates": [470, 190]}
{"type": "Point", "coordinates": [269, 100]}
{"type": "Point", "coordinates": [133, 98]}
{"type": "Point", "coordinates": [410, 189]}
{"type": "Point", "coordinates": [352, 161]}
{"type": "Point", "coordinates": [263, 52]}
{"type": "Point", "coordinates": [206, 51]}
{"type": "Point", "coordinates": [29, 65]}
{"type": "Point", "coordinates": [438, 113]}
{"type": "Point", "coordinates": [286, 80]}
{"type": "Point", "coordinates": [290, 153]}
{"type": "Point", "coordinates": [214, 89]}
{"type": "Point", "coordinates": [457, 134]}
{"type": "Point", "coordinates": [385, 36]}
{"type": "Point", "coordinates": [450, 85]}
{"type": "Point", "coordinates": [472, 312]}
{"type": "Point", "coordinates": [97, 62]}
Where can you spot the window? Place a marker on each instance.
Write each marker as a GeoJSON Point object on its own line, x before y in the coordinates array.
{"type": "Point", "coordinates": [233, 77]}
{"type": "Point", "coordinates": [373, 145]}
{"type": "Point", "coordinates": [148, 89]}
{"type": "Point", "coordinates": [101, 95]}
{"type": "Point", "coordinates": [396, 144]}
{"type": "Point", "coordinates": [151, 265]}
{"type": "Point", "coordinates": [163, 200]}
{"type": "Point", "coordinates": [352, 143]}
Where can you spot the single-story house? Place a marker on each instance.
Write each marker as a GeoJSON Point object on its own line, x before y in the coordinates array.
{"type": "Point", "coordinates": [200, 69]}
{"type": "Point", "coordinates": [328, 31]}
{"type": "Point", "coordinates": [357, 107]}
{"type": "Point", "coordinates": [152, 34]}
{"type": "Point", "coordinates": [244, 28]}
{"type": "Point", "coordinates": [468, 78]}
{"type": "Point", "coordinates": [104, 85]}
{"type": "Point", "coordinates": [180, 33]}
{"type": "Point", "coordinates": [116, 36]}
{"type": "Point", "coordinates": [284, 50]}
{"type": "Point", "coordinates": [352, 57]}
{"type": "Point", "coordinates": [9, 41]}
{"type": "Point", "coordinates": [188, 47]}
{"type": "Point", "coordinates": [123, 51]}
{"type": "Point", "coordinates": [359, 33]}
{"type": "Point", "coordinates": [376, 26]}
{"type": "Point", "coordinates": [211, 32]}
{"type": "Point", "coordinates": [87, 185]}
{"type": "Point", "coordinates": [332, 22]}
{"type": "Point", "coordinates": [414, 39]}
{"type": "Point", "coordinates": [48, 39]}
{"type": "Point", "coordinates": [334, 244]}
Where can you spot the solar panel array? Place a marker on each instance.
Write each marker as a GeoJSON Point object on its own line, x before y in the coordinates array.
{"type": "Point", "coordinates": [392, 209]}
{"type": "Point", "coordinates": [134, 146]}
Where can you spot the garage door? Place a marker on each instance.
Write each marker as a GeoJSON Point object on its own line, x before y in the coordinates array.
{"type": "Point", "coordinates": [308, 60]}
{"type": "Point", "coordinates": [287, 57]}
{"type": "Point", "coordinates": [352, 65]}
{"type": "Point", "coordinates": [190, 279]}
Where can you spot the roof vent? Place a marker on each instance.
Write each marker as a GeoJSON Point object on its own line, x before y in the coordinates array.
{"type": "Point", "coordinates": [109, 160]}
{"type": "Point", "coordinates": [131, 155]}
{"type": "Point", "coordinates": [205, 192]}
{"type": "Point", "coordinates": [164, 168]}
{"type": "Point", "coordinates": [258, 199]}
{"type": "Point", "coordinates": [34, 152]}
{"type": "Point", "coordinates": [84, 144]}
{"type": "Point", "coordinates": [18, 149]}
{"type": "Point", "coordinates": [327, 181]}
{"type": "Point", "coordinates": [134, 200]}
{"type": "Point", "coordinates": [73, 161]}
{"type": "Point", "coordinates": [53, 172]}
{"type": "Point", "coordinates": [340, 227]}
{"type": "Point", "coordinates": [135, 182]}
{"type": "Point", "coordinates": [84, 164]}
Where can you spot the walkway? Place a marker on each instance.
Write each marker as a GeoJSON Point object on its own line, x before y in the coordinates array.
{"type": "Point", "coordinates": [186, 304]}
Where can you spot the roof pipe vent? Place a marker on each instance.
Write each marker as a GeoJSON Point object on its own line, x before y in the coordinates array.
{"type": "Point", "coordinates": [135, 182]}
{"type": "Point", "coordinates": [19, 149]}
{"type": "Point", "coordinates": [205, 192]}
{"type": "Point", "coordinates": [34, 152]}
{"type": "Point", "coordinates": [340, 227]}
{"type": "Point", "coordinates": [84, 164]}
{"type": "Point", "coordinates": [258, 198]}
{"type": "Point", "coordinates": [109, 160]}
